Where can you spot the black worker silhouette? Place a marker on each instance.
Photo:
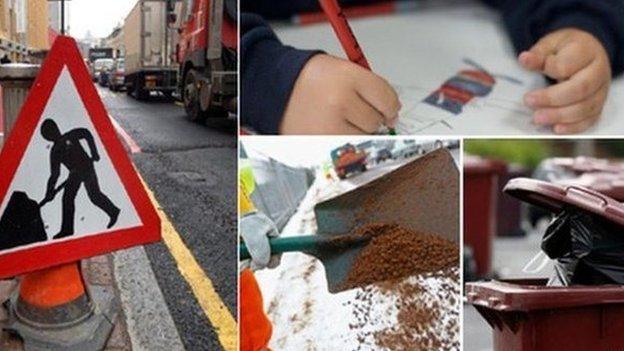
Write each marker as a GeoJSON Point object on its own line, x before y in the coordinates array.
{"type": "Point", "coordinates": [68, 151]}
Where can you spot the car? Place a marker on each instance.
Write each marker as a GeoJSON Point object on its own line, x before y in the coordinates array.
{"type": "Point", "coordinates": [100, 68]}
{"type": "Point", "coordinates": [383, 155]}
{"type": "Point", "coordinates": [116, 81]}
{"type": "Point", "coordinates": [89, 65]}
{"type": "Point", "coordinates": [406, 149]}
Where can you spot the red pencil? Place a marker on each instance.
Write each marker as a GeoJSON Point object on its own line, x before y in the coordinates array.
{"type": "Point", "coordinates": [347, 39]}
{"type": "Point", "coordinates": [359, 11]}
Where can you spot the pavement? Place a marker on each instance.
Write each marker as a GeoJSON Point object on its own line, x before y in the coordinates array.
{"type": "Point", "coordinates": [98, 272]}
{"type": "Point", "coordinates": [181, 293]}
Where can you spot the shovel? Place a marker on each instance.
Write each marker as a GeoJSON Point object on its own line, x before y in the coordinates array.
{"type": "Point", "coordinates": [422, 195]}
{"type": "Point", "coordinates": [56, 191]}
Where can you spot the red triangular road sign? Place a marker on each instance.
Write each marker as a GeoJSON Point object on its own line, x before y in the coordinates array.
{"type": "Point", "coordinates": [68, 190]}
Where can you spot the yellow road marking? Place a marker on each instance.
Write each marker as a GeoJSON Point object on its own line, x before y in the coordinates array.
{"type": "Point", "coordinates": [220, 317]}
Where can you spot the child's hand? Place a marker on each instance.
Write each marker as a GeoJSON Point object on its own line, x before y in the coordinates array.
{"type": "Point", "coordinates": [335, 96]}
{"type": "Point", "coordinates": [580, 65]}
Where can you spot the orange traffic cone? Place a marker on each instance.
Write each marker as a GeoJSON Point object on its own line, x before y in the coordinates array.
{"type": "Point", "coordinates": [54, 310]}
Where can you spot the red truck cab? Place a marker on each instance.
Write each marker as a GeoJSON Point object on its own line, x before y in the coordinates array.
{"type": "Point", "coordinates": [207, 54]}
{"type": "Point", "coordinates": [348, 159]}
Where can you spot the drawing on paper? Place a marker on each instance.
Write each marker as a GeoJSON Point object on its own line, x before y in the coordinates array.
{"type": "Point", "coordinates": [463, 87]}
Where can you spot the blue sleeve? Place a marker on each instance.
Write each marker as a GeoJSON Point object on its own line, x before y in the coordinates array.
{"type": "Point", "coordinates": [529, 20]}
{"type": "Point", "coordinates": [269, 70]}
{"type": "Point", "coordinates": [285, 9]}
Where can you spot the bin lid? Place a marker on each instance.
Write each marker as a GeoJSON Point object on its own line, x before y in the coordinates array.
{"type": "Point", "coordinates": [554, 197]}
{"type": "Point", "coordinates": [480, 165]}
{"type": "Point", "coordinates": [531, 295]}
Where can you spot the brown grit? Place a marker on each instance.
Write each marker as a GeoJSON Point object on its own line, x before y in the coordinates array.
{"type": "Point", "coordinates": [395, 252]}
{"type": "Point", "coordinates": [425, 304]}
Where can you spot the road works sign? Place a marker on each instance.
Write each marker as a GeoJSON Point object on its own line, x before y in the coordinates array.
{"type": "Point", "coordinates": [67, 188]}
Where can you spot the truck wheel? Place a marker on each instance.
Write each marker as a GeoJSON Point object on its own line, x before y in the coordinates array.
{"type": "Point", "coordinates": [140, 93]}
{"type": "Point", "coordinates": [143, 94]}
{"type": "Point", "coordinates": [168, 95]}
{"type": "Point", "coordinates": [190, 98]}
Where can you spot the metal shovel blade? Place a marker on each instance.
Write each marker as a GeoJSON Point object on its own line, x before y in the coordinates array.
{"type": "Point", "coordinates": [422, 195]}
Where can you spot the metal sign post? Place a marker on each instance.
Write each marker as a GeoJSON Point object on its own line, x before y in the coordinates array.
{"type": "Point", "coordinates": [62, 27]}
{"type": "Point", "coordinates": [62, 17]}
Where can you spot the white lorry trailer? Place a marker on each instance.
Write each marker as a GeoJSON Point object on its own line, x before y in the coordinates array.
{"type": "Point", "coordinates": [148, 49]}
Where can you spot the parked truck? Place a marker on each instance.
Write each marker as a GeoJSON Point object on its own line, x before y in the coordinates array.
{"type": "Point", "coordinates": [206, 53]}
{"type": "Point", "coordinates": [348, 159]}
{"type": "Point", "coordinates": [147, 45]}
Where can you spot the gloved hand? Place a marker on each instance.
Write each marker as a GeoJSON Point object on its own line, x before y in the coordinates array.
{"type": "Point", "coordinates": [255, 230]}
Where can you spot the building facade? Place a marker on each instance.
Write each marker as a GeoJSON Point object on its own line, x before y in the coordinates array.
{"type": "Point", "coordinates": [24, 30]}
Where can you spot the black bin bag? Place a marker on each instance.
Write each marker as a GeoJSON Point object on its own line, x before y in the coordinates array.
{"type": "Point", "coordinates": [588, 249]}
{"type": "Point", "coordinates": [21, 222]}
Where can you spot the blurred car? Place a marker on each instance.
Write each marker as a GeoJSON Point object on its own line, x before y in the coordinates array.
{"type": "Point", "coordinates": [90, 69]}
{"type": "Point", "coordinates": [406, 149]}
{"type": "Point", "coordinates": [100, 68]}
{"type": "Point", "coordinates": [116, 81]}
{"type": "Point", "coordinates": [383, 155]}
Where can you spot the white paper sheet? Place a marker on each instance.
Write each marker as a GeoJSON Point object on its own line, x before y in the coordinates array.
{"type": "Point", "coordinates": [418, 51]}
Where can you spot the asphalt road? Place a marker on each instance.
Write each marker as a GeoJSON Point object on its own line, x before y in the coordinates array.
{"type": "Point", "coordinates": [192, 171]}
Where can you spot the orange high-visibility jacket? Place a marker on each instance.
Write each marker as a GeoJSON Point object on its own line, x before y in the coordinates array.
{"type": "Point", "coordinates": [256, 329]}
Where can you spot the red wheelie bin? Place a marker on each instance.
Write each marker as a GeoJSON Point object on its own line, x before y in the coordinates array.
{"type": "Point", "coordinates": [528, 315]}
{"type": "Point", "coordinates": [480, 208]}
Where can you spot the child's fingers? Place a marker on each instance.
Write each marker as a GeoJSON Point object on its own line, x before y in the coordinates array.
{"type": "Point", "coordinates": [531, 60]}
{"type": "Point", "coordinates": [364, 116]}
{"type": "Point", "coordinates": [535, 57]}
{"type": "Point", "coordinates": [569, 59]}
{"type": "Point", "coordinates": [573, 113]}
{"type": "Point", "coordinates": [349, 129]}
{"type": "Point", "coordinates": [391, 123]}
{"type": "Point", "coordinates": [580, 86]}
{"type": "Point", "coordinates": [577, 127]}
{"type": "Point", "coordinates": [377, 92]}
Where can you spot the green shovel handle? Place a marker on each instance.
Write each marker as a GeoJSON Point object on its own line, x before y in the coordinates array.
{"type": "Point", "coordinates": [301, 243]}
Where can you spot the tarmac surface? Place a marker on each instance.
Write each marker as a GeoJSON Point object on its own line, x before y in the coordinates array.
{"type": "Point", "coordinates": [191, 169]}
